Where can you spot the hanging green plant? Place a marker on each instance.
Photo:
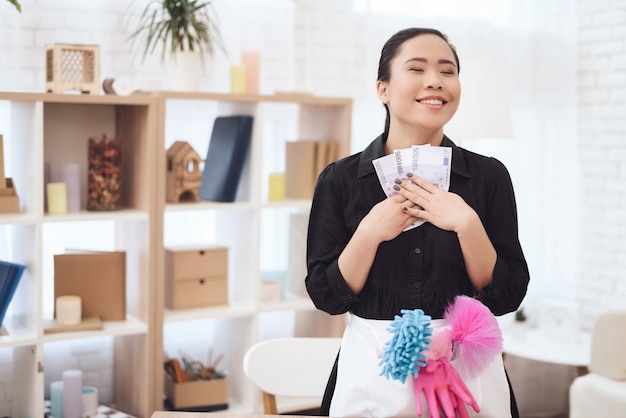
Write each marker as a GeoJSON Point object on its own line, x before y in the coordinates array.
{"type": "Point", "coordinates": [16, 4]}
{"type": "Point", "coordinates": [178, 25]}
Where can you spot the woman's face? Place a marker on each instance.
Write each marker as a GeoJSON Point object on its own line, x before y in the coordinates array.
{"type": "Point", "coordinates": [423, 90]}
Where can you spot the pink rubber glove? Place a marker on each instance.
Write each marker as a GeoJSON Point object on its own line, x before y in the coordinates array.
{"type": "Point", "coordinates": [442, 387]}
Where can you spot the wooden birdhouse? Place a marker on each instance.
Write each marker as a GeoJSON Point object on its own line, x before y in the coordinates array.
{"type": "Point", "coordinates": [184, 173]}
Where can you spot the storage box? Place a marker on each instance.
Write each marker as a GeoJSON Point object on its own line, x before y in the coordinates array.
{"type": "Point", "coordinates": [9, 201]}
{"type": "Point", "coordinates": [197, 393]}
{"type": "Point", "coordinates": [99, 278]}
{"type": "Point", "coordinates": [196, 277]}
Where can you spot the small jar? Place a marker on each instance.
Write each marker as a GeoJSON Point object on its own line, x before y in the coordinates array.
{"type": "Point", "coordinates": [105, 174]}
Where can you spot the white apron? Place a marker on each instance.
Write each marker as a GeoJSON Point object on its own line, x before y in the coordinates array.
{"type": "Point", "coordinates": [360, 391]}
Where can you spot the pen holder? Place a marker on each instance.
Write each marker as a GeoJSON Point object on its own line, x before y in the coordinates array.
{"type": "Point", "coordinates": [197, 393]}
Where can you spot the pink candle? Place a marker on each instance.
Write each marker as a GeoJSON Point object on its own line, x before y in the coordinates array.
{"type": "Point", "coordinates": [251, 60]}
{"type": "Point", "coordinates": [72, 393]}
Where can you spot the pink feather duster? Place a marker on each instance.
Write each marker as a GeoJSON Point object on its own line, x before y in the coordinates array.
{"type": "Point", "coordinates": [475, 335]}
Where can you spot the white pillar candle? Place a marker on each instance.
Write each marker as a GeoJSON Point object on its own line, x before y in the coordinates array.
{"type": "Point", "coordinates": [72, 394]}
{"type": "Point", "coordinates": [68, 310]}
{"type": "Point", "coordinates": [56, 399]}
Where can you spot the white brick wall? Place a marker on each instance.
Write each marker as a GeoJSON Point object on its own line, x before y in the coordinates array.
{"type": "Point", "coordinates": [571, 208]}
{"type": "Point", "coordinates": [602, 142]}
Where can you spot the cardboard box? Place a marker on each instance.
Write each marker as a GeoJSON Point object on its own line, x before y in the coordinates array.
{"type": "Point", "coordinates": [196, 277]}
{"type": "Point", "coordinates": [9, 200]}
{"type": "Point", "coordinates": [99, 278]}
{"type": "Point", "coordinates": [197, 393]}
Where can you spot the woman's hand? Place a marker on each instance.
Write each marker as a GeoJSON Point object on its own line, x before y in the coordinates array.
{"type": "Point", "coordinates": [387, 219]}
{"type": "Point", "coordinates": [445, 210]}
{"type": "Point", "coordinates": [448, 211]}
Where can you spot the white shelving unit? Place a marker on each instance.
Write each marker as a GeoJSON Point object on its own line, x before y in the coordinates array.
{"type": "Point", "coordinates": [54, 129]}
{"type": "Point", "coordinates": [253, 228]}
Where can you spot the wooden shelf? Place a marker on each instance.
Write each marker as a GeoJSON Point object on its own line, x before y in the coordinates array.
{"type": "Point", "coordinates": [53, 128]}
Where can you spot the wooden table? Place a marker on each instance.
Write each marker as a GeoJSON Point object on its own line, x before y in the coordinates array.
{"type": "Point", "coordinates": [170, 414]}
{"type": "Point", "coordinates": [535, 346]}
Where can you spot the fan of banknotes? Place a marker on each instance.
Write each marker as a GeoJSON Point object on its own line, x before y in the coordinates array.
{"type": "Point", "coordinates": [428, 162]}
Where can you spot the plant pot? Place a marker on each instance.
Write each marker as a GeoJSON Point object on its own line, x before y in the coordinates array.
{"type": "Point", "coordinates": [184, 71]}
{"type": "Point", "coordinates": [519, 330]}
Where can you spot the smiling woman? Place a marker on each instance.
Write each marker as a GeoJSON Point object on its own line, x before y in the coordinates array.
{"type": "Point", "coordinates": [363, 257]}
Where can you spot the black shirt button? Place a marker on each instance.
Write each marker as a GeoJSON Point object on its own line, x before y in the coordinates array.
{"type": "Point", "coordinates": [416, 285]}
{"type": "Point", "coordinates": [417, 251]}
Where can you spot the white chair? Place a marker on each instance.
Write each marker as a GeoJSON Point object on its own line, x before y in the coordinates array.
{"type": "Point", "coordinates": [602, 392]}
{"type": "Point", "coordinates": [290, 367]}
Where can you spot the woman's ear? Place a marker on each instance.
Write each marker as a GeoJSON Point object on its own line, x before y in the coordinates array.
{"type": "Point", "coordinates": [381, 89]}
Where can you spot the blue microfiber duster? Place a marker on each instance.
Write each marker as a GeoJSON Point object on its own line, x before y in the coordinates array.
{"type": "Point", "coordinates": [402, 355]}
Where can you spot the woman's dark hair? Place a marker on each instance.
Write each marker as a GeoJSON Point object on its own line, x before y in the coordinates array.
{"type": "Point", "coordinates": [391, 48]}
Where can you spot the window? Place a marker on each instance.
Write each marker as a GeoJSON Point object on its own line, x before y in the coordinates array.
{"type": "Point", "coordinates": [497, 11]}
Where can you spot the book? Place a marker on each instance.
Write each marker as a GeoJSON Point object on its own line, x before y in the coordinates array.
{"type": "Point", "coordinates": [91, 323]}
{"type": "Point", "coordinates": [300, 169]}
{"type": "Point", "coordinates": [304, 161]}
{"type": "Point", "coordinates": [227, 153]}
{"type": "Point", "coordinates": [10, 274]}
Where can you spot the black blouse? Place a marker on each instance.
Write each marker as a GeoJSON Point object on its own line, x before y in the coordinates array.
{"type": "Point", "coordinates": [423, 267]}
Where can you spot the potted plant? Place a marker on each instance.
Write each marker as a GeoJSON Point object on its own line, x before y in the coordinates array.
{"type": "Point", "coordinates": [519, 326]}
{"type": "Point", "coordinates": [520, 315]}
{"type": "Point", "coordinates": [185, 31]}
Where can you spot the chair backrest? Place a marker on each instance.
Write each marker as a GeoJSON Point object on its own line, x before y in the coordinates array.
{"type": "Point", "coordinates": [292, 367]}
{"type": "Point", "coordinates": [608, 355]}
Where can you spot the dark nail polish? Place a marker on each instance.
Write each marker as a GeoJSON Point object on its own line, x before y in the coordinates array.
{"type": "Point", "coordinates": [404, 208]}
{"type": "Point", "coordinates": [396, 187]}
{"type": "Point", "coordinates": [397, 181]}
{"type": "Point", "coordinates": [409, 174]}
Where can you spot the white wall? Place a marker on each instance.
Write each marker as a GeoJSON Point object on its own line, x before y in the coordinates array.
{"type": "Point", "coordinates": [602, 145]}
{"type": "Point", "coordinates": [566, 63]}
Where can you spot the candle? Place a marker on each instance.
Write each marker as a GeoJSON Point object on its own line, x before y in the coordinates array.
{"type": "Point", "coordinates": [68, 310]}
{"type": "Point", "coordinates": [72, 393]}
{"type": "Point", "coordinates": [46, 180]}
{"type": "Point", "coordinates": [57, 198]}
{"type": "Point", "coordinates": [70, 175]}
{"type": "Point", "coordinates": [237, 79]}
{"type": "Point", "coordinates": [251, 60]}
{"type": "Point", "coordinates": [90, 400]}
{"type": "Point", "coordinates": [277, 187]}
{"type": "Point", "coordinates": [56, 399]}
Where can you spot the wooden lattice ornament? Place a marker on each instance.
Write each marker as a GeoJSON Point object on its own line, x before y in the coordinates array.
{"type": "Point", "coordinates": [73, 67]}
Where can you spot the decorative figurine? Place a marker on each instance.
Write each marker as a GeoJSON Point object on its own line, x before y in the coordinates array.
{"type": "Point", "coordinates": [184, 173]}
